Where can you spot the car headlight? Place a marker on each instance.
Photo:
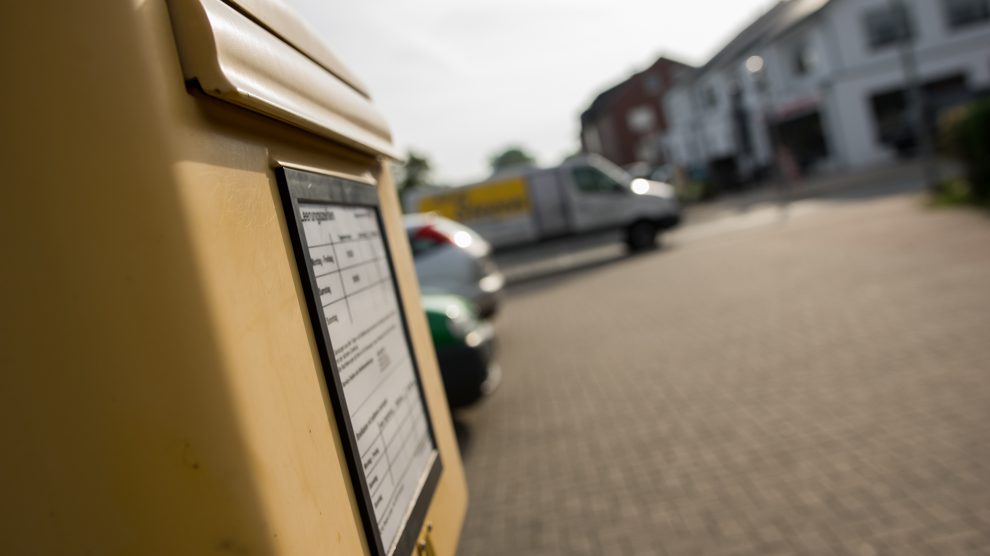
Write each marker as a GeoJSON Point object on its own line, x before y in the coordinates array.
{"type": "Point", "coordinates": [460, 321]}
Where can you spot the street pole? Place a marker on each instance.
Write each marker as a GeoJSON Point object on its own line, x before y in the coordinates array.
{"type": "Point", "coordinates": [916, 96]}
{"type": "Point", "coordinates": [756, 66]}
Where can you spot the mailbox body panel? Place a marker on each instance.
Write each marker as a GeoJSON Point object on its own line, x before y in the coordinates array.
{"type": "Point", "coordinates": [162, 393]}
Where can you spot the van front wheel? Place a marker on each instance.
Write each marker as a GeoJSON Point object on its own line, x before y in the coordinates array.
{"type": "Point", "coordinates": [641, 236]}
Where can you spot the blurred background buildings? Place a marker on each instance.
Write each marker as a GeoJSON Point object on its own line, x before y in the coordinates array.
{"type": "Point", "coordinates": [829, 79]}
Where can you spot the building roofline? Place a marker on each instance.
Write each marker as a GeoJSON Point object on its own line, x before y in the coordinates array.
{"type": "Point", "coordinates": [602, 97]}
{"type": "Point", "coordinates": [780, 18]}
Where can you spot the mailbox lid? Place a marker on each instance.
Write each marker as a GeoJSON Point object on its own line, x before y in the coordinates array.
{"type": "Point", "coordinates": [278, 18]}
{"type": "Point", "coordinates": [233, 52]}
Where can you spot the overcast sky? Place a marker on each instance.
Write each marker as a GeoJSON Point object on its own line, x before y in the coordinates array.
{"type": "Point", "coordinates": [458, 80]}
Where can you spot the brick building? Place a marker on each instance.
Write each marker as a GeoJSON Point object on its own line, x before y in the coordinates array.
{"type": "Point", "coordinates": [625, 123]}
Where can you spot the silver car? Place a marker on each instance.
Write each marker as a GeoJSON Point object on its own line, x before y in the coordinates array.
{"type": "Point", "coordinates": [451, 257]}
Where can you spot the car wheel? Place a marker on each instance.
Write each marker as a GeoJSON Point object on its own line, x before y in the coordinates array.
{"type": "Point", "coordinates": [641, 236]}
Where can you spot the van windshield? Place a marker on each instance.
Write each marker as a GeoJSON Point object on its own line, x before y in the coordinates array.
{"type": "Point", "coordinates": [611, 170]}
{"type": "Point", "coordinates": [591, 179]}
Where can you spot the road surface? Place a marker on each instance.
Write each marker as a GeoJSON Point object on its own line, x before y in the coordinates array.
{"type": "Point", "coordinates": [815, 384]}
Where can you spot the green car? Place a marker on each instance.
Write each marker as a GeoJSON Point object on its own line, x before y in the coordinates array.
{"type": "Point", "coordinates": [465, 348]}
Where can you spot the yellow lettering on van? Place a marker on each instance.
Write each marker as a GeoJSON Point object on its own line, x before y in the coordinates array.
{"type": "Point", "coordinates": [492, 200]}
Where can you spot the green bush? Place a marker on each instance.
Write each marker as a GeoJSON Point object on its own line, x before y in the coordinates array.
{"type": "Point", "coordinates": [964, 133]}
{"type": "Point", "coordinates": [691, 192]}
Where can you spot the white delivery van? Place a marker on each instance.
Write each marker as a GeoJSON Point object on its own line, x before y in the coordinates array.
{"type": "Point", "coordinates": [583, 195]}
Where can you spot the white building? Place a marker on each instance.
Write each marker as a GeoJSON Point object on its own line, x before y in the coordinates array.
{"type": "Point", "coordinates": [828, 77]}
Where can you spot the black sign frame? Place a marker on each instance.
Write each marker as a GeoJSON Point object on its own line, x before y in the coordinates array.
{"type": "Point", "coordinates": [304, 186]}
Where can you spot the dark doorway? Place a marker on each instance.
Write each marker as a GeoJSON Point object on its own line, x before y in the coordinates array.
{"type": "Point", "coordinates": [723, 175]}
{"type": "Point", "coordinates": [804, 138]}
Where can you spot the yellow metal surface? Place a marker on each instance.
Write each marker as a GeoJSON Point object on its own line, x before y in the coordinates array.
{"type": "Point", "coordinates": [496, 199]}
{"type": "Point", "coordinates": [161, 393]}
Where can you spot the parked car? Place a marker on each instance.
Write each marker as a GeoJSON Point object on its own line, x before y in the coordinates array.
{"type": "Point", "coordinates": [465, 348]}
{"type": "Point", "coordinates": [663, 173]}
{"type": "Point", "coordinates": [451, 257]}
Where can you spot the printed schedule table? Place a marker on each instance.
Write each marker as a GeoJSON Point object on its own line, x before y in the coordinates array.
{"type": "Point", "coordinates": [360, 311]}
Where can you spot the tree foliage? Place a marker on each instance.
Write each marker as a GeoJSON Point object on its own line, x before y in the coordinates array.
{"type": "Point", "coordinates": [965, 134]}
{"type": "Point", "coordinates": [511, 157]}
{"type": "Point", "coordinates": [414, 172]}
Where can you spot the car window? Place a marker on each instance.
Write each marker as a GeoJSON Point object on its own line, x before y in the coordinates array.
{"type": "Point", "coordinates": [593, 180]}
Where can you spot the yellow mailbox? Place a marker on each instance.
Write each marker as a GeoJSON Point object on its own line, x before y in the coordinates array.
{"type": "Point", "coordinates": [212, 335]}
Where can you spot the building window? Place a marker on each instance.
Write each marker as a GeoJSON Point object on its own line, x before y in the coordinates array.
{"type": "Point", "coordinates": [803, 59]}
{"type": "Point", "coordinates": [640, 119]}
{"type": "Point", "coordinates": [653, 84]}
{"type": "Point", "coordinates": [886, 26]}
{"type": "Point", "coordinates": [963, 13]}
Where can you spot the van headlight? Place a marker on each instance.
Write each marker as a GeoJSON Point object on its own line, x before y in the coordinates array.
{"type": "Point", "coordinates": [664, 190]}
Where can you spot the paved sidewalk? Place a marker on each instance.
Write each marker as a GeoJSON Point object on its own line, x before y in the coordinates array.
{"type": "Point", "coordinates": [740, 210]}
{"type": "Point", "coordinates": [817, 385]}
{"type": "Point", "coordinates": [900, 175]}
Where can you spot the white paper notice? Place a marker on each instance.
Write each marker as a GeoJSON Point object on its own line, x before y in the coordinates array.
{"type": "Point", "coordinates": [361, 313]}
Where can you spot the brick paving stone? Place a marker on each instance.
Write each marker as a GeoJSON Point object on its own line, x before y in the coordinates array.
{"type": "Point", "coordinates": [814, 386]}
